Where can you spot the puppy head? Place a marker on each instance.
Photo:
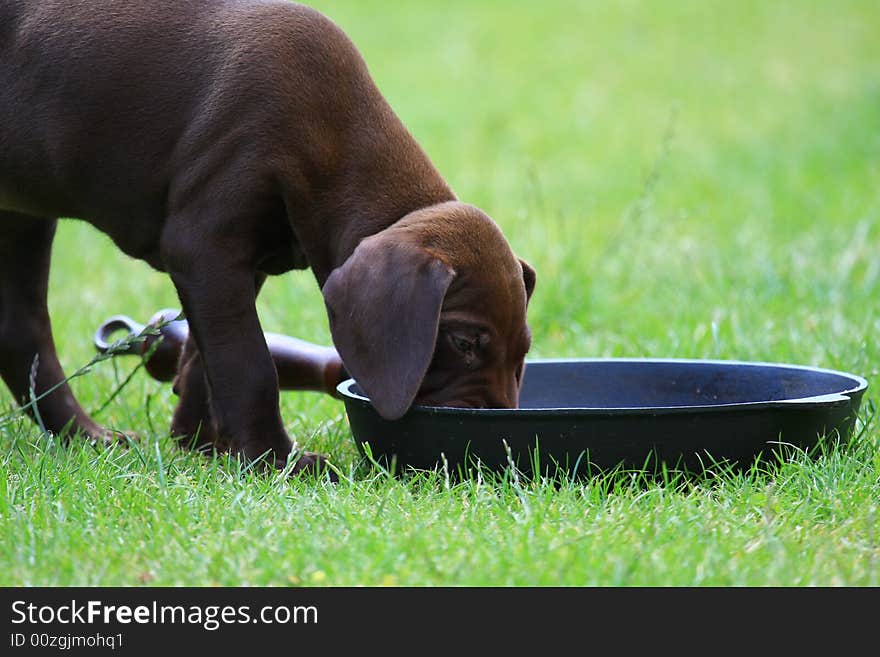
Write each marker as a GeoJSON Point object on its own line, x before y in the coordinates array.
{"type": "Point", "coordinates": [432, 310]}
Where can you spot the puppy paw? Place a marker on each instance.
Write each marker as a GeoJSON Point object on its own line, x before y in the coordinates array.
{"type": "Point", "coordinates": [111, 437]}
{"type": "Point", "coordinates": [311, 464]}
{"type": "Point", "coordinates": [199, 436]}
{"type": "Point", "coordinates": [96, 435]}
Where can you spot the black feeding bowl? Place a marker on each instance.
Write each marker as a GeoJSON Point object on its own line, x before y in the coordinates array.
{"type": "Point", "coordinates": [589, 415]}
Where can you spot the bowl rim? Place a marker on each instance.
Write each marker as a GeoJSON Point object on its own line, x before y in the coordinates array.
{"type": "Point", "coordinates": [830, 399]}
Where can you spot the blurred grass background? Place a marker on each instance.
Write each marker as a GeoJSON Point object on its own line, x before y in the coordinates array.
{"type": "Point", "coordinates": [689, 179]}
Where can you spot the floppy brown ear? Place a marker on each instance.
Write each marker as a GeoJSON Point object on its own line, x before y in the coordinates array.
{"type": "Point", "coordinates": [384, 309]}
{"type": "Point", "coordinates": [529, 277]}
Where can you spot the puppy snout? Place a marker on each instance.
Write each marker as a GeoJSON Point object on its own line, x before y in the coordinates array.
{"type": "Point", "coordinates": [473, 396]}
{"type": "Point", "coordinates": [491, 401]}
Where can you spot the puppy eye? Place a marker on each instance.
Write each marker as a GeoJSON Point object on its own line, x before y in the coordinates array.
{"type": "Point", "coordinates": [462, 344]}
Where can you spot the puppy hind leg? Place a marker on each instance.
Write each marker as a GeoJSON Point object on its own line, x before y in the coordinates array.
{"type": "Point", "coordinates": [26, 332]}
{"type": "Point", "coordinates": [191, 423]}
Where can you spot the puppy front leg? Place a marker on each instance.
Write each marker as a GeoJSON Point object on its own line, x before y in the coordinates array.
{"type": "Point", "coordinates": [192, 423]}
{"type": "Point", "coordinates": [219, 298]}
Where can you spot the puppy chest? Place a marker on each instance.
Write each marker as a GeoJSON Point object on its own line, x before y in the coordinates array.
{"type": "Point", "coordinates": [282, 256]}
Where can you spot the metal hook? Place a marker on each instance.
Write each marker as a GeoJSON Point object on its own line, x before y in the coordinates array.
{"type": "Point", "coordinates": [113, 325]}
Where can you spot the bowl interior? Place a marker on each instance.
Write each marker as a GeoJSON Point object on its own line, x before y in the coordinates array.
{"type": "Point", "coordinates": [661, 384]}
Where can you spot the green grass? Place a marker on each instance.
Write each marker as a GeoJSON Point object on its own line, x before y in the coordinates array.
{"type": "Point", "coordinates": [689, 179]}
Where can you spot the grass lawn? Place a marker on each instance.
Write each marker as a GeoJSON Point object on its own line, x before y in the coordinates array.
{"type": "Point", "coordinates": [689, 179]}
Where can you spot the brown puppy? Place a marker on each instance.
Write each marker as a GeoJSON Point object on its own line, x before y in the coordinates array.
{"type": "Point", "coordinates": [223, 141]}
